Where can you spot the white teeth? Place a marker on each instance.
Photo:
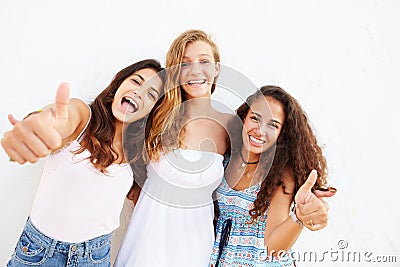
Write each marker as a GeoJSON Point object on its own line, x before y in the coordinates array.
{"type": "Point", "coordinates": [196, 82]}
{"type": "Point", "coordinates": [255, 140]}
{"type": "Point", "coordinates": [130, 105]}
{"type": "Point", "coordinates": [133, 103]}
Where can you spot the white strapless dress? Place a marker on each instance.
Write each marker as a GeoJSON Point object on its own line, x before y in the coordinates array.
{"type": "Point", "coordinates": [171, 224]}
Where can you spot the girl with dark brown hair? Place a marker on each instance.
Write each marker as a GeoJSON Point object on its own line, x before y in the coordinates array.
{"type": "Point", "coordinates": [273, 152]}
{"type": "Point", "coordinates": [86, 176]}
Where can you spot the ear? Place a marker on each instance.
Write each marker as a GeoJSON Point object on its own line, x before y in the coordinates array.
{"type": "Point", "coordinates": [217, 68]}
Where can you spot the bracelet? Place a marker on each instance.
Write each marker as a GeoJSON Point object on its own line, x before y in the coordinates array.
{"type": "Point", "coordinates": [33, 112]}
{"type": "Point", "coordinates": [292, 214]}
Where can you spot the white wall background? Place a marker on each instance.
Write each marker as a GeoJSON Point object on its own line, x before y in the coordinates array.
{"type": "Point", "coordinates": [340, 59]}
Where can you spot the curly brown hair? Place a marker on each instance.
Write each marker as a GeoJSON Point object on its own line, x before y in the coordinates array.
{"type": "Point", "coordinates": [296, 149]}
{"type": "Point", "coordinates": [100, 132]}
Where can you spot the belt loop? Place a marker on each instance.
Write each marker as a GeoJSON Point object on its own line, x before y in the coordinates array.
{"type": "Point", "coordinates": [86, 248]}
{"type": "Point", "coordinates": [52, 247]}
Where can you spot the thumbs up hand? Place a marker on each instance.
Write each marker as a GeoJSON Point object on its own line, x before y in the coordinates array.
{"type": "Point", "coordinates": [40, 133]}
{"type": "Point", "coordinates": [311, 207]}
{"type": "Point", "coordinates": [59, 110]}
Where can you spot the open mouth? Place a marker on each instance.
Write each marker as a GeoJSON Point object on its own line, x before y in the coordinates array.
{"type": "Point", "coordinates": [256, 140]}
{"type": "Point", "coordinates": [197, 82]}
{"type": "Point", "coordinates": [129, 105]}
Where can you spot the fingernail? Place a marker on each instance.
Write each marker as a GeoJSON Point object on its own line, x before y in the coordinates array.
{"type": "Point", "coordinates": [11, 160]}
{"type": "Point", "coordinates": [326, 189]}
{"type": "Point", "coordinates": [332, 189]}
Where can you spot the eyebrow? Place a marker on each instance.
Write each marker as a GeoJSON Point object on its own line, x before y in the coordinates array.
{"type": "Point", "coordinates": [201, 55]}
{"type": "Point", "coordinates": [273, 120]}
{"type": "Point", "coordinates": [276, 121]}
{"type": "Point", "coordinates": [139, 76]}
{"type": "Point", "coordinates": [155, 90]}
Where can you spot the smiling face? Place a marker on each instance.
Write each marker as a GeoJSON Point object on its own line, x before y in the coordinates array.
{"type": "Point", "coordinates": [136, 95]}
{"type": "Point", "coordinates": [198, 70]}
{"type": "Point", "coordinates": [262, 126]}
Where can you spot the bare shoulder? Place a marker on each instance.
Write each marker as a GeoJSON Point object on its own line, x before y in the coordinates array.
{"type": "Point", "coordinates": [79, 115]}
{"type": "Point", "coordinates": [79, 106]}
{"type": "Point", "coordinates": [79, 110]}
{"type": "Point", "coordinates": [224, 118]}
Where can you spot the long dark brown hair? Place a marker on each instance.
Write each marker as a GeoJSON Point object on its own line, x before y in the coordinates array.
{"type": "Point", "coordinates": [135, 150]}
{"type": "Point", "coordinates": [296, 151]}
{"type": "Point", "coordinates": [99, 134]}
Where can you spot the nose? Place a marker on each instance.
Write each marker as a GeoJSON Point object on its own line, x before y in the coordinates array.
{"type": "Point", "coordinates": [262, 129]}
{"type": "Point", "coordinates": [138, 94]}
{"type": "Point", "coordinates": [195, 67]}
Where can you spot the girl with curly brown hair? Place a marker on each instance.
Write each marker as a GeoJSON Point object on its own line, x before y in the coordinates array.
{"type": "Point", "coordinates": [273, 151]}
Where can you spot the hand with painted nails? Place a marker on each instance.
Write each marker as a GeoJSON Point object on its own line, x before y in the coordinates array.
{"type": "Point", "coordinates": [311, 207]}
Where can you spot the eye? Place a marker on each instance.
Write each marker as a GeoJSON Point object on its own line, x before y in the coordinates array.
{"type": "Point", "coordinates": [274, 125]}
{"type": "Point", "coordinates": [204, 61]}
{"type": "Point", "coordinates": [152, 96]}
{"type": "Point", "coordinates": [135, 81]}
{"type": "Point", "coordinates": [254, 118]}
{"type": "Point", "coordinates": [185, 64]}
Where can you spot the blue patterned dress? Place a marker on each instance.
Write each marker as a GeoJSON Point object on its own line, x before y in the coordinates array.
{"type": "Point", "coordinates": [244, 241]}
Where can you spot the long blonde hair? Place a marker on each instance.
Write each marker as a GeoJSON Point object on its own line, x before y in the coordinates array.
{"type": "Point", "coordinates": [167, 132]}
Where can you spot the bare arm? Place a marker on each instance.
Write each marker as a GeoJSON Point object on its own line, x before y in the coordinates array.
{"type": "Point", "coordinates": [311, 209]}
{"type": "Point", "coordinates": [134, 193]}
{"type": "Point", "coordinates": [41, 133]}
{"type": "Point", "coordinates": [281, 231]}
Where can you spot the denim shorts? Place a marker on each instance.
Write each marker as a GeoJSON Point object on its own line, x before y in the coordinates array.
{"type": "Point", "coordinates": [36, 249]}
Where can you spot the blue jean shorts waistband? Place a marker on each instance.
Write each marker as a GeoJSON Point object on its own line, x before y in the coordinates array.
{"type": "Point", "coordinates": [62, 246]}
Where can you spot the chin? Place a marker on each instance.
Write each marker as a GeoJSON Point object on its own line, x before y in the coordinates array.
{"type": "Point", "coordinates": [256, 151]}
